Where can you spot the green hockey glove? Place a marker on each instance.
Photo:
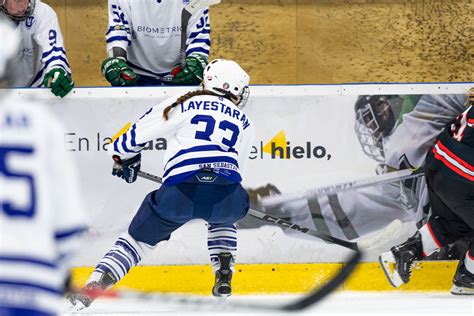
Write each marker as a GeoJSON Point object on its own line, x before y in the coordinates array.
{"type": "Point", "coordinates": [191, 74]}
{"type": "Point", "coordinates": [118, 73]}
{"type": "Point", "coordinates": [59, 81]}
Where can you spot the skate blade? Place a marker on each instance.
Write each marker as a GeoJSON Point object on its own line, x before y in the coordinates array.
{"type": "Point", "coordinates": [387, 262]}
{"type": "Point", "coordinates": [222, 299]}
{"type": "Point", "coordinates": [78, 306]}
{"type": "Point", "coordinates": [222, 296]}
{"type": "Point", "coordinates": [74, 304]}
{"type": "Point", "coordinates": [457, 290]}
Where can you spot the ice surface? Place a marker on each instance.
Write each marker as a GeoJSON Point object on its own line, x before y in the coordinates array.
{"type": "Point", "coordinates": [342, 303]}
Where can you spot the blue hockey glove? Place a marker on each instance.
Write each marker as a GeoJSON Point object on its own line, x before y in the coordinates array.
{"type": "Point", "coordinates": [127, 169]}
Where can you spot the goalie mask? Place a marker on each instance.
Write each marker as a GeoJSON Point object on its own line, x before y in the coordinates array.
{"type": "Point", "coordinates": [226, 78]}
{"type": "Point", "coordinates": [18, 10]}
{"type": "Point", "coordinates": [375, 120]}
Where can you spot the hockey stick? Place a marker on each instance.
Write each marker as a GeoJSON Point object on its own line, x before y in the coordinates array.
{"type": "Point", "coordinates": [400, 175]}
{"type": "Point", "coordinates": [372, 241]}
{"type": "Point", "coordinates": [192, 7]}
{"type": "Point", "coordinates": [200, 303]}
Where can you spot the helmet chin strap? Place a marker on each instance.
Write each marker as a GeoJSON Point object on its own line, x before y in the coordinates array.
{"type": "Point", "coordinates": [229, 95]}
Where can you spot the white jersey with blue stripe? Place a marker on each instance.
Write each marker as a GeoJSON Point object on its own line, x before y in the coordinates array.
{"type": "Point", "coordinates": [40, 211]}
{"type": "Point", "coordinates": [150, 32]}
{"type": "Point", "coordinates": [41, 48]}
{"type": "Point", "coordinates": [204, 132]}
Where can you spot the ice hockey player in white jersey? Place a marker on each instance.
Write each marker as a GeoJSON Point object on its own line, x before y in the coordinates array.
{"type": "Point", "coordinates": [209, 140]}
{"type": "Point", "coordinates": [40, 208]}
{"type": "Point", "coordinates": [41, 60]}
{"type": "Point", "coordinates": [144, 41]}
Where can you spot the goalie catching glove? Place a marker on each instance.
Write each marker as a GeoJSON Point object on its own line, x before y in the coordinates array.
{"type": "Point", "coordinates": [118, 72]}
{"type": "Point", "coordinates": [127, 169]}
{"type": "Point", "coordinates": [191, 74]}
{"type": "Point", "coordinates": [59, 81]}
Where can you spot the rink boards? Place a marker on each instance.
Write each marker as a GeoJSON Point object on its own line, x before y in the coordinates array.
{"type": "Point", "coordinates": [313, 125]}
{"type": "Point", "coordinates": [277, 278]}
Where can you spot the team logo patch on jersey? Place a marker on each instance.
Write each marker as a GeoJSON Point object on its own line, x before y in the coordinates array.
{"type": "Point", "coordinates": [186, 2]}
{"type": "Point", "coordinates": [29, 21]}
{"type": "Point", "coordinates": [206, 178]}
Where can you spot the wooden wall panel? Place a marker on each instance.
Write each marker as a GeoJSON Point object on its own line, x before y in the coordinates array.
{"type": "Point", "coordinates": [397, 41]}
{"type": "Point", "coordinates": [86, 28]}
{"type": "Point", "coordinates": [84, 24]}
{"type": "Point", "coordinates": [260, 35]}
{"type": "Point", "coordinates": [309, 41]}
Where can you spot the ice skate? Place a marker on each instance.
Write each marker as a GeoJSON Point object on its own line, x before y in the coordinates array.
{"type": "Point", "coordinates": [222, 286]}
{"type": "Point", "coordinates": [90, 292]}
{"type": "Point", "coordinates": [398, 262]}
{"type": "Point", "coordinates": [463, 282]}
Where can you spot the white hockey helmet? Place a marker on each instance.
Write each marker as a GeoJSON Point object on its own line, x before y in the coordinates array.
{"type": "Point", "coordinates": [9, 47]}
{"type": "Point", "coordinates": [228, 79]}
{"type": "Point", "coordinates": [29, 9]}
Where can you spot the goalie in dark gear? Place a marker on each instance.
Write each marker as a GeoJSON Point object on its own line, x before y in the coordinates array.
{"type": "Point", "coordinates": [376, 117]}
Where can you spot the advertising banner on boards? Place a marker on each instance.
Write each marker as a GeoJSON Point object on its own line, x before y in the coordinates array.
{"type": "Point", "coordinates": [306, 137]}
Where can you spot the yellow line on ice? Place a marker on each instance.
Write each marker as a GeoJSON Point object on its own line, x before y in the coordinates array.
{"type": "Point", "coordinates": [277, 278]}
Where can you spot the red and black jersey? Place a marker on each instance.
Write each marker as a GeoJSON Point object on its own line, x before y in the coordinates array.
{"type": "Point", "coordinates": [454, 147]}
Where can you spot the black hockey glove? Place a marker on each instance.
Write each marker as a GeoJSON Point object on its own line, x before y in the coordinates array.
{"type": "Point", "coordinates": [127, 169]}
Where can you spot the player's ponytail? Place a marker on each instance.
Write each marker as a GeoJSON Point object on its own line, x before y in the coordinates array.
{"type": "Point", "coordinates": [183, 99]}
